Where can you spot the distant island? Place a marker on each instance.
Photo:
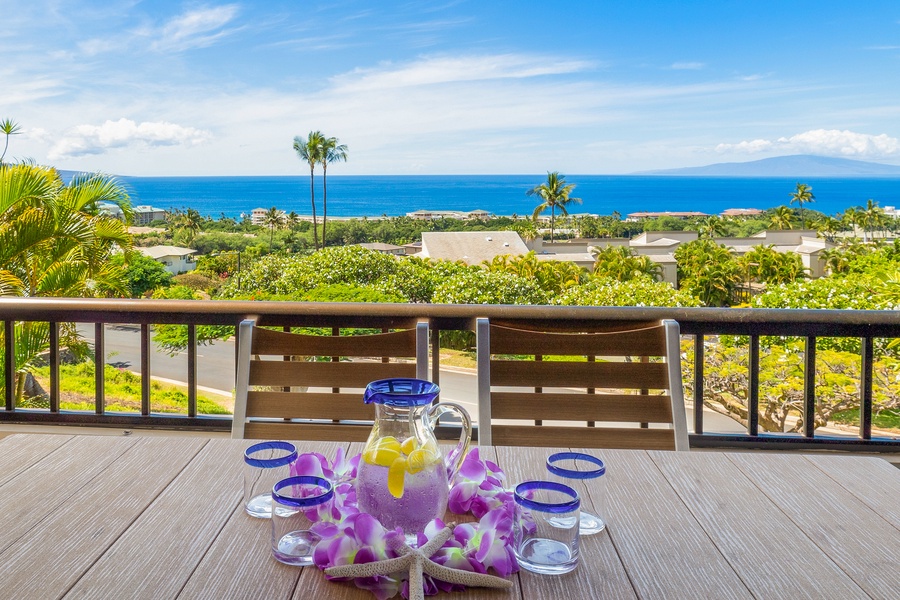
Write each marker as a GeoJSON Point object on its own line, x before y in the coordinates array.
{"type": "Point", "coordinates": [800, 165]}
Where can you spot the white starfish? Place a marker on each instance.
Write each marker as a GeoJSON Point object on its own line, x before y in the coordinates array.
{"type": "Point", "coordinates": [418, 560]}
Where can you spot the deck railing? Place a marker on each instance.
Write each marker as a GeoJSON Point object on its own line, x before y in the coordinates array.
{"type": "Point", "coordinates": [700, 324]}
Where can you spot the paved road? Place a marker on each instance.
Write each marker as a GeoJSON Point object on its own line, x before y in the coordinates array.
{"type": "Point", "coordinates": [215, 371]}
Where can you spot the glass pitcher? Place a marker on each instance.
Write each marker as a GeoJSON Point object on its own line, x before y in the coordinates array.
{"type": "Point", "coordinates": [403, 480]}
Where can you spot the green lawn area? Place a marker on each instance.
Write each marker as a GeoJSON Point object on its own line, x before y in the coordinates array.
{"type": "Point", "coordinates": [886, 419]}
{"type": "Point", "coordinates": [123, 392]}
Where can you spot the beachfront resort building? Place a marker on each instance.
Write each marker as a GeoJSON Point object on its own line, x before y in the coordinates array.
{"type": "Point", "coordinates": [175, 259]}
{"type": "Point", "coordinates": [258, 216]}
{"type": "Point", "coordinates": [431, 215]}
{"type": "Point", "coordinates": [144, 215]}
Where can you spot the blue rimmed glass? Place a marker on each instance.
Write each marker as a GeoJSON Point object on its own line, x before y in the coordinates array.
{"type": "Point", "coordinates": [265, 464]}
{"type": "Point", "coordinates": [546, 527]}
{"type": "Point", "coordinates": [294, 501]}
{"type": "Point", "coordinates": [578, 465]}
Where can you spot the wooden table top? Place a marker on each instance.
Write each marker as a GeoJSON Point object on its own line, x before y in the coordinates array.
{"type": "Point", "coordinates": [152, 517]}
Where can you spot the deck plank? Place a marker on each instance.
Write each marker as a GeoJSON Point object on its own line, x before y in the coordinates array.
{"type": "Point", "coordinates": [883, 497]}
{"type": "Point", "coordinates": [65, 544]}
{"type": "Point", "coordinates": [188, 515]}
{"type": "Point", "coordinates": [664, 549]}
{"type": "Point", "coordinates": [772, 556]}
{"type": "Point", "coordinates": [19, 451]}
{"type": "Point", "coordinates": [832, 518]}
{"type": "Point", "coordinates": [48, 484]}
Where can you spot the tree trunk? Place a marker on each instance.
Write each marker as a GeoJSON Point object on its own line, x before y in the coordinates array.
{"type": "Point", "coordinates": [312, 196]}
{"type": "Point", "coordinates": [324, 205]}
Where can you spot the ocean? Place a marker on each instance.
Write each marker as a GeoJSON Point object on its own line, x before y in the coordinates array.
{"type": "Point", "coordinates": [389, 195]}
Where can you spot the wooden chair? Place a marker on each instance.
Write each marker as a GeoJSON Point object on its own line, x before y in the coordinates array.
{"type": "Point", "coordinates": [618, 385]}
{"type": "Point", "coordinates": [328, 405]}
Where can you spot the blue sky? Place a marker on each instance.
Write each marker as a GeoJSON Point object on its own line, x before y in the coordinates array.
{"type": "Point", "coordinates": [582, 87]}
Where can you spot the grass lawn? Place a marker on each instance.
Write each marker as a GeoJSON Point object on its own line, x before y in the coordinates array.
{"type": "Point", "coordinates": [888, 420]}
{"type": "Point", "coordinates": [123, 392]}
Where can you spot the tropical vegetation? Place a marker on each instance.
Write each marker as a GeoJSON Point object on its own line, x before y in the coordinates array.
{"type": "Point", "coordinates": [55, 241]}
{"type": "Point", "coordinates": [554, 194]}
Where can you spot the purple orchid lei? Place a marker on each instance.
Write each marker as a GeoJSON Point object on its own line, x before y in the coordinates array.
{"type": "Point", "coordinates": [349, 536]}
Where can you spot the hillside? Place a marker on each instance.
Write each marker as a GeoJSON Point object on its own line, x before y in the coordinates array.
{"type": "Point", "coordinates": [801, 165]}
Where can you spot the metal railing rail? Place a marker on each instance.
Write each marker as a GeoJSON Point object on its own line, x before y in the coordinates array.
{"type": "Point", "coordinates": [701, 323]}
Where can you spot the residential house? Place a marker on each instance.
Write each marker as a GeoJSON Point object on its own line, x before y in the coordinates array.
{"type": "Point", "coordinates": [175, 258]}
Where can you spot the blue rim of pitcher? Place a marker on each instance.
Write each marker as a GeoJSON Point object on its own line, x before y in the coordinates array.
{"type": "Point", "coordinates": [550, 507]}
{"type": "Point", "coordinates": [270, 463]}
{"type": "Point", "coordinates": [305, 501]}
{"type": "Point", "coordinates": [401, 392]}
{"type": "Point", "coordinates": [576, 456]}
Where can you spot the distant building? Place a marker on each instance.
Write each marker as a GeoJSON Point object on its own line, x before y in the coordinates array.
{"type": "Point", "coordinates": [175, 258]}
{"type": "Point", "coordinates": [430, 215]}
{"type": "Point", "coordinates": [113, 210]}
{"type": "Point", "coordinates": [258, 216]}
{"type": "Point", "coordinates": [384, 248]}
{"type": "Point", "coordinates": [637, 216]}
{"type": "Point", "coordinates": [741, 212]}
{"type": "Point", "coordinates": [144, 215]}
{"type": "Point", "coordinates": [471, 247]}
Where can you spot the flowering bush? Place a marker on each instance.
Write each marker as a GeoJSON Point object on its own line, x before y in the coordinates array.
{"type": "Point", "coordinates": [479, 286]}
{"type": "Point", "coordinates": [639, 291]}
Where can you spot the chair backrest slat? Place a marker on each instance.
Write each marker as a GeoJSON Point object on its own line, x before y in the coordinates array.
{"type": "Point", "coordinates": [633, 375]}
{"type": "Point", "coordinates": [332, 432]}
{"type": "Point", "coordinates": [325, 374]}
{"type": "Point", "coordinates": [308, 405]}
{"type": "Point", "coordinates": [395, 344]}
{"type": "Point", "coordinates": [584, 437]}
{"type": "Point", "coordinates": [574, 407]}
{"type": "Point", "coordinates": [649, 341]}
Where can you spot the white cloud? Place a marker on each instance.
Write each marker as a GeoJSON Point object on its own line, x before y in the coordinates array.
{"type": "Point", "coordinates": [195, 29]}
{"type": "Point", "coordinates": [687, 66]}
{"type": "Point", "coordinates": [97, 139]}
{"type": "Point", "coordinates": [431, 70]}
{"type": "Point", "coordinates": [828, 142]}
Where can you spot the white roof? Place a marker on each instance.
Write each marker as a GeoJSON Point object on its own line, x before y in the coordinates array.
{"type": "Point", "coordinates": [471, 247]}
{"type": "Point", "coordinates": [156, 252]}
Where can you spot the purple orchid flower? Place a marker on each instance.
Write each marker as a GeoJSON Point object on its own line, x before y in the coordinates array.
{"type": "Point", "coordinates": [359, 538]}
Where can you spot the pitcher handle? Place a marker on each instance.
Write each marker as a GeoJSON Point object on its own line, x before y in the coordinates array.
{"type": "Point", "coordinates": [456, 456]}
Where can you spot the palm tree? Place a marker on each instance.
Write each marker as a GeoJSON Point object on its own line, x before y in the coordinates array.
{"type": "Point", "coordinates": [331, 152]}
{"type": "Point", "coordinates": [310, 150]}
{"type": "Point", "coordinates": [711, 227]}
{"type": "Point", "coordinates": [873, 218]}
{"type": "Point", "coordinates": [782, 218]}
{"type": "Point", "coordinates": [273, 219]}
{"type": "Point", "coordinates": [191, 222]}
{"type": "Point", "coordinates": [555, 194]}
{"type": "Point", "coordinates": [802, 195]}
{"type": "Point", "coordinates": [53, 242]}
{"type": "Point", "coordinates": [8, 127]}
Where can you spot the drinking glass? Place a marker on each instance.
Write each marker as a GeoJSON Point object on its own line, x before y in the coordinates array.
{"type": "Point", "coordinates": [546, 527]}
{"type": "Point", "coordinates": [294, 500]}
{"type": "Point", "coordinates": [266, 463]}
{"type": "Point", "coordinates": [578, 465]}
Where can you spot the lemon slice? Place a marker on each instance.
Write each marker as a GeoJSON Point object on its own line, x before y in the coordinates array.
{"type": "Point", "coordinates": [418, 460]}
{"type": "Point", "coordinates": [396, 474]}
{"type": "Point", "coordinates": [409, 445]}
{"type": "Point", "coordinates": [388, 442]}
{"type": "Point", "coordinates": [383, 457]}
